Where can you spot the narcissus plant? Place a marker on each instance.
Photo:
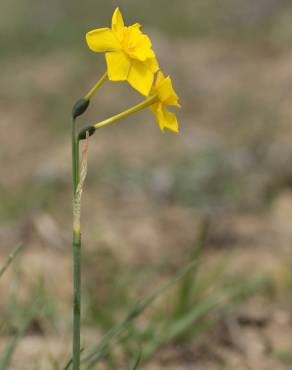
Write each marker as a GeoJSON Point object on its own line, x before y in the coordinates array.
{"type": "Point", "coordinates": [129, 57]}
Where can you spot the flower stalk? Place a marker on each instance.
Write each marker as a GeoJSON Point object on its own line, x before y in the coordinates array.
{"type": "Point", "coordinates": [90, 130]}
{"type": "Point", "coordinates": [92, 91]}
{"type": "Point", "coordinates": [78, 109]}
{"type": "Point", "coordinates": [82, 104]}
{"type": "Point", "coordinates": [145, 104]}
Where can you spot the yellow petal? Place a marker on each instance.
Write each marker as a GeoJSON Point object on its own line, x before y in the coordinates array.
{"type": "Point", "coordinates": [166, 92]}
{"type": "Point", "coordinates": [137, 44]}
{"type": "Point", "coordinates": [142, 49]}
{"type": "Point", "coordinates": [136, 25]}
{"type": "Point", "coordinates": [132, 35]}
{"type": "Point", "coordinates": [117, 21]}
{"type": "Point", "coordinates": [166, 119]}
{"type": "Point", "coordinates": [159, 79]}
{"type": "Point", "coordinates": [140, 77]}
{"type": "Point", "coordinates": [152, 64]}
{"type": "Point", "coordinates": [118, 66]}
{"type": "Point", "coordinates": [102, 39]}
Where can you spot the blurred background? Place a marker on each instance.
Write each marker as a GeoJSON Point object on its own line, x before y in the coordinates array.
{"type": "Point", "coordinates": [149, 195]}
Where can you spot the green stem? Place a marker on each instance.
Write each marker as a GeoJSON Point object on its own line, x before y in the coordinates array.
{"type": "Point", "coordinates": [76, 300]}
{"type": "Point", "coordinates": [75, 157]}
{"type": "Point", "coordinates": [93, 90]}
{"type": "Point", "coordinates": [90, 130]}
{"type": "Point", "coordinates": [78, 109]}
{"type": "Point", "coordinates": [76, 255]}
{"type": "Point", "coordinates": [146, 103]}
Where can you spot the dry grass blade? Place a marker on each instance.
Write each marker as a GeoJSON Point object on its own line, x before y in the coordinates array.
{"type": "Point", "coordinates": [83, 173]}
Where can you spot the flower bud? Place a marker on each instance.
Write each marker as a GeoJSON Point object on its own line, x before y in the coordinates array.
{"type": "Point", "coordinates": [80, 107]}
{"type": "Point", "coordinates": [83, 132]}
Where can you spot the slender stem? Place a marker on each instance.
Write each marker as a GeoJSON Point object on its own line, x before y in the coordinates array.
{"type": "Point", "coordinates": [91, 92]}
{"type": "Point", "coordinates": [77, 299]}
{"type": "Point", "coordinates": [76, 254]}
{"type": "Point", "coordinates": [76, 215]}
{"type": "Point", "coordinates": [146, 103]}
{"type": "Point", "coordinates": [75, 157]}
{"type": "Point", "coordinates": [76, 245]}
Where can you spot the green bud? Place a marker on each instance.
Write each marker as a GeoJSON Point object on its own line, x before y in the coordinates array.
{"type": "Point", "coordinates": [83, 132]}
{"type": "Point", "coordinates": [80, 107]}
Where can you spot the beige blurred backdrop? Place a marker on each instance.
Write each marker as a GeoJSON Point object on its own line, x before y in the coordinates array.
{"type": "Point", "coordinates": [147, 192]}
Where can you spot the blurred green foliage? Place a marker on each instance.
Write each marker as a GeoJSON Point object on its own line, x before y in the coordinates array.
{"type": "Point", "coordinates": [28, 25]}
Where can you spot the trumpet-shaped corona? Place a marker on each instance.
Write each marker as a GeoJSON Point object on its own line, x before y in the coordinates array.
{"type": "Point", "coordinates": [129, 55]}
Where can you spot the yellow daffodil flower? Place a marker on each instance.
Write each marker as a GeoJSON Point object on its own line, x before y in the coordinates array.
{"type": "Point", "coordinates": [165, 96]}
{"type": "Point", "coordinates": [129, 55]}
{"type": "Point", "coordinates": [162, 94]}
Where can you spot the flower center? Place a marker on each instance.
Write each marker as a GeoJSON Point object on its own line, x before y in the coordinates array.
{"type": "Point", "coordinates": [128, 47]}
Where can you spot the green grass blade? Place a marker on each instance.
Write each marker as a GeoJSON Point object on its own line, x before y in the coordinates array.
{"type": "Point", "coordinates": [225, 296]}
{"type": "Point", "coordinates": [5, 361]}
{"type": "Point", "coordinates": [186, 287]}
{"type": "Point", "coordinates": [136, 362]}
{"type": "Point", "coordinates": [69, 363]}
{"type": "Point", "coordinates": [180, 326]}
{"type": "Point", "coordinates": [98, 351]}
{"type": "Point", "coordinates": [10, 259]}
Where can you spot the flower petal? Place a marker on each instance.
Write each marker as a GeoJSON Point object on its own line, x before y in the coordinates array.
{"type": "Point", "coordinates": [152, 64]}
{"type": "Point", "coordinates": [159, 79]}
{"type": "Point", "coordinates": [138, 44]}
{"type": "Point", "coordinates": [118, 66]}
{"type": "Point", "coordinates": [166, 92]}
{"type": "Point", "coordinates": [117, 21]}
{"type": "Point", "coordinates": [142, 51]}
{"type": "Point", "coordinates": [166, 119]}
{"type": "Point", "coordinates": [136, 25]}
{"type": "Point", "coordinates": [132, 35]}
{"type": "Point", "coordinates": [102, 39]}
{"type": "Point", "coordinates": [140, 77]}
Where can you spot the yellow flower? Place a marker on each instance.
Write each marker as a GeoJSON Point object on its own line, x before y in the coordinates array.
{"type": "Point", "coordinates": [129, 55]}
{"type": "Point", "coordinates": [165, 96]}
{"type": "Point", "coordinates": [162, 94]}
